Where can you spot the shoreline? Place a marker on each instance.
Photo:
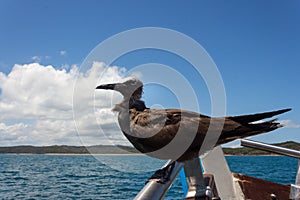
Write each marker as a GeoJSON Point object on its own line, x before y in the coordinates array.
{"type": "Point", "coordinates": [113, 150]}
{"type": "Point", "coordinates": [253, 155]}
{"type": "Point", "coordinates": [74, 154]}
{"type": "Point", "coordinates": [117, 154]}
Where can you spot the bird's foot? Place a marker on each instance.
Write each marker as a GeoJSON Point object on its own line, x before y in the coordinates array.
{"type": "Point", "coordinates": [162, 175]}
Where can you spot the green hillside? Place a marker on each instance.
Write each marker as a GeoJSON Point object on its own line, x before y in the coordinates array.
{"type": "Point", "coordinates": [251, 151]}
{"type": "Point", "coordinates": [64, 149]}
{"type": "Point", "coordinates": [106, 149]}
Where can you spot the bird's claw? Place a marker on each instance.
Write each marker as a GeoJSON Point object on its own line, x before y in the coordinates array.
{"type": "Point", "coordinates": [157, 180]}
{"type": "Point", "coordinates": [162, 175]}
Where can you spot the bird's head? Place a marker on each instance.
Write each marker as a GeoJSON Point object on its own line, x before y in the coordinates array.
{"type": "Point", "coordinates": [130, 89]}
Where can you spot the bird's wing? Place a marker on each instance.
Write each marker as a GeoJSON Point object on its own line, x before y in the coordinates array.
{"type": "Point", "coordinates": [158, 119]}
{"type": "Point", "coordinates": [149, 122]}
{"type": "Point", "coordinates": [186, 113]}
{"type": "Point", "coordinates": [155, 128]}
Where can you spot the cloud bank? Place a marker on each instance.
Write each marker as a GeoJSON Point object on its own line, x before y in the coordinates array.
{"type": "Point", "coordinates": [289, 123]}
{"type": "Point", "coordinates": [36, 105]}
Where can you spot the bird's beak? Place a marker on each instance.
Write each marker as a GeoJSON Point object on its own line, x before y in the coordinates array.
{"type": "Point", "coordinates": [107, 86]}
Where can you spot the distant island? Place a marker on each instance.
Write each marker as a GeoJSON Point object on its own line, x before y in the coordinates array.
{"type": "Point", "coordinates": [65, 149]}
{"type": "Point", "coordinates": [110, 149]}
{"type": "Point", "coordinates": [251, 151]}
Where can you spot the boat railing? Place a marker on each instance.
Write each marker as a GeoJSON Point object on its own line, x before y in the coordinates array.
{"type": "Point", "coordinates": [210, 185]}
{"type": "Point", "coordinates": [271, 148]}
{"type": "Point", "coordinates": [295, 188]}
{"type": "Point", "coordinates": [199, 186]}
{"type": "Point", "coordinates": [154, 190]}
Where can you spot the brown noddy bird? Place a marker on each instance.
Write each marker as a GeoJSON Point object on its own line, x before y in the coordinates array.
{"type": "Point", "coordinates": [151, 129]}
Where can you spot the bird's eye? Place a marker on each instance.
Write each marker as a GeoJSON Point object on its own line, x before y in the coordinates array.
{"type": "Point", "coordinates": [133, 83]}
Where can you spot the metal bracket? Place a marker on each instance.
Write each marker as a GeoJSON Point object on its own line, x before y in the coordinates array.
{"type": "Point", "coordinates": [200, 186]}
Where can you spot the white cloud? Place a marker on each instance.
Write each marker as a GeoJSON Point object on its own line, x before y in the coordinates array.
{"type": "Point", "coordinates": [13, 134]}
{"type": "Point", "coordinates": [289, 123]}
{"type": "Point", "coordinates": [36, 105]}
{"type": "Point", "coordinates": [36, 58]}
{"type": "Point", "coordinates": [63, 53]}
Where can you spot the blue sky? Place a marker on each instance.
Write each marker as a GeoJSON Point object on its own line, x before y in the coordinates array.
{"type": "Point", "coordinates": [255, 44]}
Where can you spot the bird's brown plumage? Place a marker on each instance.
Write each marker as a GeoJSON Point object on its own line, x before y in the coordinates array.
{"type": "Point", "coordinates": [151, 129]}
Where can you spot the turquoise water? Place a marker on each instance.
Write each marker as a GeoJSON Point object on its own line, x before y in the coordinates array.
{"type": "Point", "coordinates": [121, 177]}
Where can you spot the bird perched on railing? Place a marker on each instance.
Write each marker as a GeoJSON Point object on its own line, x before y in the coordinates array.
{"type": "Point", "coordinates": [151, 129]}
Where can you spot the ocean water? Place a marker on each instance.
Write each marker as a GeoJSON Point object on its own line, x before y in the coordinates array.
{"type": "Point", "coordinates": [111, 177]}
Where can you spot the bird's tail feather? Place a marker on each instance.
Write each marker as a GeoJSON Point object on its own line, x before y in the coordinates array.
{"type": "Point", "coordinates": [255, 129]}
{"type": "Point", "coordinates": [250, 128]}
{"type": "Point", "coordinates": [262, 127]}
{"type": "Point", "coordinates": [245, 119]}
